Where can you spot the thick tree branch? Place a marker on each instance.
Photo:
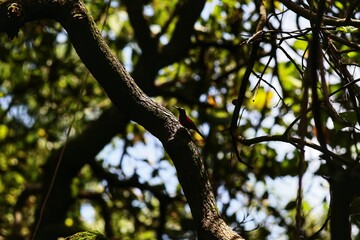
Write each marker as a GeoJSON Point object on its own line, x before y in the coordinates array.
{"type": "Point", "coordinates": [141, 27]}
{"type": "Point", "coordinates": [180, 39]}
{"type": "Point", "coordinates": [152, 59]}
{"type": "Point", "coordinates": [342, 190]}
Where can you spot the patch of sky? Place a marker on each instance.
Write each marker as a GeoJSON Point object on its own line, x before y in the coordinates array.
{"type": "Point", "coordinates": [114, 4]}
{"type": "Point", "coordinates": [248, 10]}
{"type": "Point", "coordinates": [142, 159]}
{"type": "Point", "coordinates": [21, 114]}
{"type": "Point", "coordinates": [148, 10]}
{"type": "Point", "coordinates": [61, 37]}
{"type": "Point", "coordinates": [88, 213]}
{"type": "Point", "coordinates": [127, 53]}
{"type": "Point", "coordinates": [222, 197]}
{"type": "Point", "coordinates": [209, 9]}
{"type": "Point", "coordinates": [164, 40]}
{"type": "Point", "coordinates": [354, 71]}
{"type": "Point", "coordinates": [5, 102]}
{"type": "Point", "coordinates": [155, 28]}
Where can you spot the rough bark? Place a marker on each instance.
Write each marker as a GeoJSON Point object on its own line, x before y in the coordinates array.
{"type": "Point", "coordinates": [130, 100]}
{"type": "Point", "coordinates": [343, 186]}
{"type": "Point", "coordinates": [340, 208]}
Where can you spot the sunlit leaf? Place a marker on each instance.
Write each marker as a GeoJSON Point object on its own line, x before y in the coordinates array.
{"type": "Point", "coordinates": [88, 235]}
{"type": "Point", "coordinates": [301, 44]}
{"type": "Point", "coordinates": [260, 99]}
{"type": "Point", "coordinates": [4, 130]}
{"type": "Point", "coordinates": [347, 29]}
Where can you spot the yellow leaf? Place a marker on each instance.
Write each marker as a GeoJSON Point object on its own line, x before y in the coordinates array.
{"type": "Point", "coordinates": [69, 222]}
{"type": "Point", "coordinates": [4, 130]}
{"type": "Point", "coordinates": [41, 132]}
{"type": "Point", "coordinates": [261, 99]}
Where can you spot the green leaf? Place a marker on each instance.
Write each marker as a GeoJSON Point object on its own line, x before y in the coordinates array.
{"type": "Point", "coordinates": [349, 116]}
{"type": "Point", "coordinates": [339, 5]}
{"type": "Point", "coordinates": [347, 29]}
{"type": "Point", "coordinates": [300, 44]}
{"type": "Point", "coordinates": [87, 235]}
{"type": "Point", "coordinates": [289, 76]}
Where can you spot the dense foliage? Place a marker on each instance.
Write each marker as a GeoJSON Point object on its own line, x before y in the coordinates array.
{"type": "Point", "coordinates": [298, 125]}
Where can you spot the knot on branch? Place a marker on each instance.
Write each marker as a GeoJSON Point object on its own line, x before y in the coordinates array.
{"type": "Point", "coordinates": [16, 15]}
{"type": "Point", "coordinates": [78, 12]}
{"type": "Point", "coordinates": [15, 11]}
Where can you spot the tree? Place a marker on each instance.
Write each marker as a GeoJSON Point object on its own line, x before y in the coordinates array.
{"type": "Point", "coordinates": [248, 77]}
